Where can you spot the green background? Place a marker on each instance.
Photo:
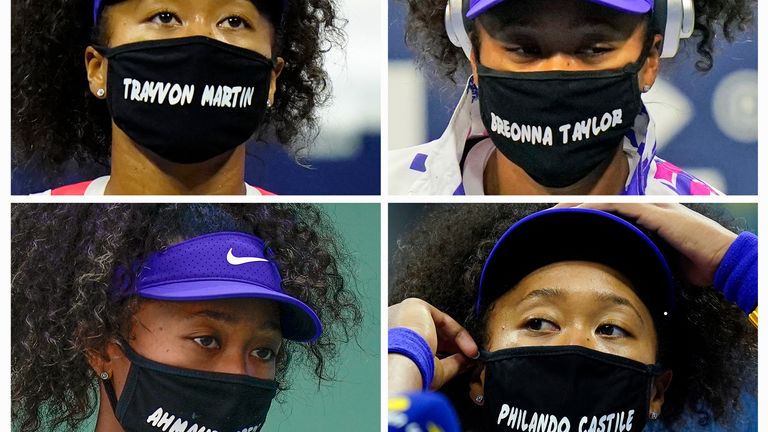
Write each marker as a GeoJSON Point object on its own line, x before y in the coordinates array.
{"type": "Point", "coordinates": [351, 403]}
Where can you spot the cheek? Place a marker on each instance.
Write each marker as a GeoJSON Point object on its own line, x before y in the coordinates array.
{"type": "Point", "coordinates": [493, 56]}
{"type": "Point", "coordinates": [260, 43]}
{"type": "Point", "coordinates": [156, 339]}
{"type": "Point", "coordinates": [264, 371]}
{"type": "Point", "coordinates": [504, 335]}
{"type": "Point", "coordinates": [642, 349]}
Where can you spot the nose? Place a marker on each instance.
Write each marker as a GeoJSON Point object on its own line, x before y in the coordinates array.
{"type": "Point", "coordinates": [234, 363]}
{"type": "Point", "coordinates": [578, 336]}
{"type": "Point", "coordinates": [559, 62]}
{"type": "Point", "coordinates": [199, 25]}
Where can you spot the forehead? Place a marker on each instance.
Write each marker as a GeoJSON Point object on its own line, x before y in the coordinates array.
{"type": "Point", "coordinates": [271, 9]}
{"type": "Point", "coordinates": [249, 312]}
{"type": "Point", "coordinates": [580, 284]}
{"type": "Point", "coordinates": [556, 15]}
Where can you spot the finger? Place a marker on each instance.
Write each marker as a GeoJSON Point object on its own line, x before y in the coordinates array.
{"type": "Point", "coordinates": [566, 205]}
{"type": "Point", "coordinates": [629, 210]}
{"type": "Point", "coordinates": [450, 330]}
{"type": "Point", "coordinates": [449, 367]}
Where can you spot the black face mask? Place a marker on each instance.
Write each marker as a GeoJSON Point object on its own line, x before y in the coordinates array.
{"type": "Point", "coordinates": [158, 397]}
{"type": "Point", "coordinates": [559, 126]}
{"type": "Point", "coordinates": [187, 99]}
{"type": "Point", "coordinates": [565, 388]}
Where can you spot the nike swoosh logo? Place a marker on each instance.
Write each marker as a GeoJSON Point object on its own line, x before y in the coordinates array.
{"type": "Point", "coordinates": [242, 260]}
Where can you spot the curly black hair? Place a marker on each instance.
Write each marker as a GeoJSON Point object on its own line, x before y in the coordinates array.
{"type": "Point", "coordinates": [55, 118]}
{"type": "Point", "coordinates": [708, 344]}
{"type": "Point", "coordinates": [425, 33]}
{"type": "Point", "coordinates": [64, 257]}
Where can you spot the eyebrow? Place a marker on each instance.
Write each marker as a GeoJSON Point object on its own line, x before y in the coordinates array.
{"type": "Point", "coordinates": [229, 318]}
{"type": "Point", "coordinates": [606, 297]}
{"type": "Point", "coordinates": [601, 296]}
{"type": "Point", "coordinates": [522, 27]}
{"type": "Point", "coordinates": [545, 293]}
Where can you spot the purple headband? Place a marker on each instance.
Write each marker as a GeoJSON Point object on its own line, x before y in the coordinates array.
{"type": "Point", "coordinates": [476, 7]}
{"type": "Point", "coordinates": [222, 265]}
{"type": "Point", "coordinates": [97, 8]}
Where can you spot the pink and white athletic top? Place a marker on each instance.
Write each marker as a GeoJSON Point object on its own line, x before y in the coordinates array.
{"type": "Point", "coordinates": [98, 185]}
{"type": "Point", "coordinates": [446, 166]}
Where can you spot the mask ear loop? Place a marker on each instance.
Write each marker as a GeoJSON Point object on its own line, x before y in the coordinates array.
{"type": "Point", "coordinates": [647, 45]}
{"type": "Point", "coordinates": [110, 389]}
{"type": "Point", "coordinates": [108, 386]}
{"type": "Point", "coordinates": [637, 65]}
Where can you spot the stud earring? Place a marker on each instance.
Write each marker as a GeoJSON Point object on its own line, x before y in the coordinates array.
{"type": "Point", "coordinates": [654, 415]}
{"type": "Point", "coordinates": [646, 89]}
{"type": "Point", "coordinates": [100, 92]}
{"type": "Point", "coordinates": [104, 376]}
{"type": "Point", "coordinates": [478, 400]}
{"type": "Point", "coordinates": [269, 103]}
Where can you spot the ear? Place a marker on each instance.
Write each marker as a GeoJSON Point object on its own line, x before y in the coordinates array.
{"type": "Point", "coordinates": [279, 64]}
{"type": "Point", "coordinates": [660, 386]}
{"type": "Point", "coordinates": [650, 70]}
{"type": "Point", "coordinates": [473, 56]}
{"type": "Point", "coordinates": [477, 385]}
{"type": "Point", "coordinates": [107, 360]}
{"type": "Point", "coordinates": [96, 71]}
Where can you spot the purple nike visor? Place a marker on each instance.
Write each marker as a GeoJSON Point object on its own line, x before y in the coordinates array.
{"type": "Point", "coordinates": [476, 7]}
{"type": "Point", "coordinates": [224, 265]}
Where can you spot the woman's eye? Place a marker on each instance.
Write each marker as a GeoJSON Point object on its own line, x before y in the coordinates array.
{"type": "Point", "coordinates": [265, 354]}
{"type": "Point", "coordinates": [595, 50]}
{"type": "Point", "coordinates": [235, 22]}
{"type": "Point", "coordinates": [165, 18]}
{"type": "Point", "coordinates": [208, 342]}
{"type": "Point", "coordinates": [527, 51]}
{"type": "Point", "coordinates": [611, 330]}
{"type": "Point", "coordinates": [538, 324]}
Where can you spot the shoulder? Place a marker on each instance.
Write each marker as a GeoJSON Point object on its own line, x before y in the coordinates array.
{"type": "Point", "coordinates": [253, 190]}
{"type": "Point", "coordinates": [96, 186]}
{"type": "Point", "coordinates": [72, 189]}
{"type": "Point", "coordinates": [666, 178]}
{"type": "Point", "coordinates": [426, 169]}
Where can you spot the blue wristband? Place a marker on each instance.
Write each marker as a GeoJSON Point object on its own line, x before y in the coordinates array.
{"type": "Point", "coordinates": [407, 342]}
{"type": "Point", "coordinates": [736, 276]}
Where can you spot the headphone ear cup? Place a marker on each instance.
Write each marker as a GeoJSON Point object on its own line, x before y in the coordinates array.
{"type": "Point", "coordinates": [675, 20]}
{"type": "Point", "coordinates": [456, 25]}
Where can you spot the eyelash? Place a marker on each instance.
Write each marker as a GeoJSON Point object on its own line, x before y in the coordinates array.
{"type": "Point", "coordinates": [270, 355]}
{"type": "Point", "coordinates": [527, 52]}
{"type": "Point", "coordinates": [621, 329]}
{"type": "Point", "coordinates": [530, 52]}
{"type": "Point", "coordinates": [197, 340]}
{"type": "Point", "coordinates": [531, 322]}
{"type": "Point", "coordinates": [244, 22]}
{"type": "Point", "coordinates": [595, 51]}
{"type": "Point", "coordinates": [164, 12]}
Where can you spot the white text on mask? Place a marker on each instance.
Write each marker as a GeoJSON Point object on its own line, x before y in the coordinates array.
{"type": "Point", "coordinates": [157, 92]}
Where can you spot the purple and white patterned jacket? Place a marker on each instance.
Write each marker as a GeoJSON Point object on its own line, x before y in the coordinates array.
{"type": "Point", "coordinates": [434, 168]}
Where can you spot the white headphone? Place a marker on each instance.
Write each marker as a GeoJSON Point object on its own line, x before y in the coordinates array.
{"type": "Point", "coordinates": [675, 18]}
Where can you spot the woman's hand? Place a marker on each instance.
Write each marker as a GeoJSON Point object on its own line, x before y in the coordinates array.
{"type": "Point", "coordinates": [701, 242]}
{"type": "Point", "coordinates": [442, 333]}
